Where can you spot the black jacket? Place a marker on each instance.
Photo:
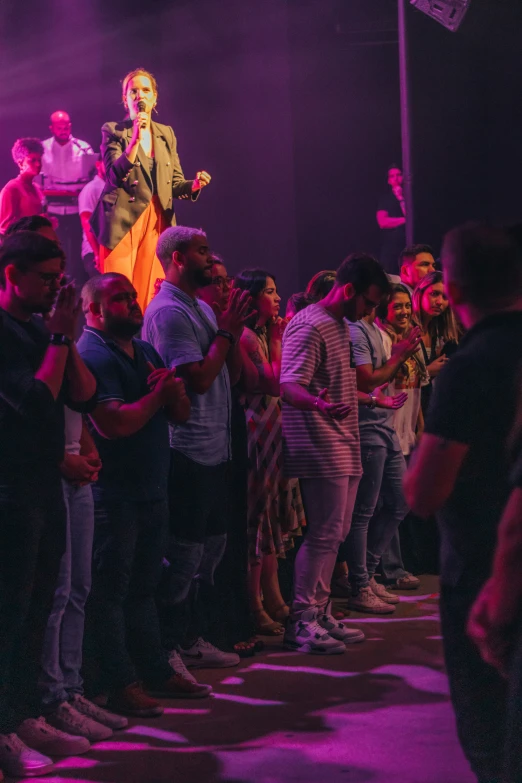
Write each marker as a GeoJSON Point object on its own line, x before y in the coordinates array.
{"type": "Point", "coordinates": [128, 187]}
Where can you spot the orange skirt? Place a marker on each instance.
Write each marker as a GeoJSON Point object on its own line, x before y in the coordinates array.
{"type": "Point", "coordinates": [135, 256]}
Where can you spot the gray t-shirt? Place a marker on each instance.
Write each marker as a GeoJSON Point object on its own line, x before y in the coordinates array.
{"type": "Point", "coordinates": [375, 425]}
{"type": "Point", "coordinates": [182, 329]}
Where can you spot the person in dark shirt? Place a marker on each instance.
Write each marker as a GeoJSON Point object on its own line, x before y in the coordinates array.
{"type": "Point", "coordinates": [40, 371]}
{"type": "Point", "coordinates": [392, 221]}
{"type": "Point", "coordinates": [461, 473]}
{"type": "Point", "coordinates": [137, 396]}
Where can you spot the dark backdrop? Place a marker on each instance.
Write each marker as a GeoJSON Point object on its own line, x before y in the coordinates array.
{"type": "Point", "coordinates": [292, 106]}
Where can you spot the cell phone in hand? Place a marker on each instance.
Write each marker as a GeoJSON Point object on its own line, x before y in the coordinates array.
{"type": "Point", "coordinates": [449, 348]}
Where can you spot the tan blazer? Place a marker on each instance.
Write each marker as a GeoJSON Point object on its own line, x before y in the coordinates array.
{"type": "Point", "coordinates": [128, 188]}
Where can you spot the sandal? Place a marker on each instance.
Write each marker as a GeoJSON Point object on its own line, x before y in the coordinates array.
{"type": "Point", "coordinates": [258, 643]}
{"type": "Point", "coordinates": [269, 627]}
{"type": "Point", "coordinates": [245, 649]}
{"type": "Point", "coordinates": [281, 614]}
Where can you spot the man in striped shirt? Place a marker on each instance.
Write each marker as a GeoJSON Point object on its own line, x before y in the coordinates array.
{"type": "Point", "coordinates": [321, 443]}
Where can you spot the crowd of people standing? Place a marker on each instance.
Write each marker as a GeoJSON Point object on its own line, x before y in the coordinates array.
{"type": "Point", "coordinates": [155, 471]}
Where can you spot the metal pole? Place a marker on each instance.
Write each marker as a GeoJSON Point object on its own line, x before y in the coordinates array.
{"type": "Point", "coordinates": [405, 122]}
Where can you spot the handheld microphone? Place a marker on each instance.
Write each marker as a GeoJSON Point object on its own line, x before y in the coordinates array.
{"type": "Point", "coordinates": [141, 105]}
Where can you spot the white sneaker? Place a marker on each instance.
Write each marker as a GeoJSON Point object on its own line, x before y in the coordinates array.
{"type": "Point", "coordinates": [179, 667]}
{"type": "Point", "coordinates": [19, 761]}
{"type": "Point", "coordinates": [98, 714]}
{"type": "Point", "coordinates": [68, 719]}
{"type": "Point", "coordinates": [203, 655]}
{"type": "Point", "coordinates": [382, 593]}
{"type": "Point", "coordinates": [366, 601]}
{"type": "Point", "coordinates": [337, 630]}
{"type": "Point", "coordinates": [308, 636]}
{"type": "Point", "coordinates": [41, 736]}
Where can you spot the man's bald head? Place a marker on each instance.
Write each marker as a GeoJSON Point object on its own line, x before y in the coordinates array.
{"type": "Point", "coordinates": [94, 289]}
{"type": "Point", "coordinates": [60, 126]}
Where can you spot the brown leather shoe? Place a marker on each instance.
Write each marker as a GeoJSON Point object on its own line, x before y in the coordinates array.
{"type": "Point", "coordinates": [177, 687]}
{"type": "Point", "coordinates": [133, 700]}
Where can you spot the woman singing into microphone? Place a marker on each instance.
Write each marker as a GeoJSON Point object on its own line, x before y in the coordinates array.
{"type": "Point", "coordinates": [143, 177]}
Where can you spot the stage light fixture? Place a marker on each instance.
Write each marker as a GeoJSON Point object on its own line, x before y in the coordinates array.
{"type": "Point", "coordinates": [448, 13]}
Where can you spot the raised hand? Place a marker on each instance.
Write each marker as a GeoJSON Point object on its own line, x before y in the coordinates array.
{"type": "Point", "coordinates": [139, 125]}
{"type": "Point", "coordinates": [335, 410]}
{"type": "Point", "coordinates": [277, 328]}
{"type": "Point", "coordinates": [156, 373]}
{"type": "Point", "coordinates": [66, 311]}
{"type": "Point", "coordinates": [238, 312]}
{"type": "Point", "coordinates": [407, 347]}
{"type": "Point", "coordinates": [392, 403]}
{"type": "Point", "coordinates": [201, 180]}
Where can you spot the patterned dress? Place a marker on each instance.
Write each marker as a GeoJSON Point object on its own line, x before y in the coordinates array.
{"type": "Point", "coordinates": [275, 508]}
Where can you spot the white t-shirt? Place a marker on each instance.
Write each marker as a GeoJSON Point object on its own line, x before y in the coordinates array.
{"type": "Point", "coordinates": [317, 355]}
{"type": "Point", "coordinates": [87, 201]}
{"type": "Point", "coordinates": [405, 419]}
{"type": "Point", "coordinates": [73, 431]}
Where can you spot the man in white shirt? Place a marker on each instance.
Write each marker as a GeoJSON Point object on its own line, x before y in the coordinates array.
{"type": "Point", "coordinates": [87, 201]}
{"type": "Point", "coordinates": [66, 166]}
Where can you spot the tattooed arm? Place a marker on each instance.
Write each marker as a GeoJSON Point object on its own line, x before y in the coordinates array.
{"type": "Point", "coordinates": [432, 474]}
{"type": "Point", "coordinates": [267, 373]}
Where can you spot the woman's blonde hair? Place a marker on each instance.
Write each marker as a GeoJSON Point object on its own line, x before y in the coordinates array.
{"type": "Point", "coordinates": [131, 75]}
{"type": "Point", "coordinates": [443, 326]}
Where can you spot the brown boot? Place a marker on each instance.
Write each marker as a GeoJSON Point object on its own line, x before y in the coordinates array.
{"type": "Point", "coordinates": [178, 687]}
{"type": "Point", "coordinates": [133, 700]}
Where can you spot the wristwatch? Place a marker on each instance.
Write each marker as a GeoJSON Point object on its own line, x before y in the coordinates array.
{"type": "Point", "coordinates": [373, 401]}
{"type": "Point", "coordinates": [228, 335]}
{"type": "Point", "coordinates": [60, 339]}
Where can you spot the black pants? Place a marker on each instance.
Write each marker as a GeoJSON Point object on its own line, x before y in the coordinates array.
{"type": "Point", "coordinates": [198, 523]}
{"type": "Point", "coordinates": [231, 619]}
{"type": "Point", "coordinates": [129, 545]}
{"type": "Point", "coordinates": [488, 708]}
{"type": "Point", "coordinates": [32, 542]}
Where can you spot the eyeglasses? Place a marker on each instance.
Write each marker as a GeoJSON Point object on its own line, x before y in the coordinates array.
{"type": "Point", "coordinates": [221, 281]}
{"type": "Point", "coordinates": [48, 278]}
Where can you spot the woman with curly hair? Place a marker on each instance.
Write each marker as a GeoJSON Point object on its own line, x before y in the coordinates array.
{"type": "Point", "coordinates": [20, 197]}
{"type": "Point", "coordinates": [143, 178]}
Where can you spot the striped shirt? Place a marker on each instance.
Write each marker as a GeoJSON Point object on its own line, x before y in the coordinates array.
{"type": "Point", "coordinates": [317, 355]}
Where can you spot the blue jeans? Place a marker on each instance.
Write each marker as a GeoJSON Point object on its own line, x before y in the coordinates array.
{"type": "Point", "coordinates": [130, 539]}
{"type": "Point", "coordinates": [328, 504]}
{"type": "Point", "coordinates": [62, 649]}
{"type": "Point", "coordinates": [391, 562]}
{"type": "Point", "coordinates": [198, 536]}
{"type": "Point", "coordinates": [371, 530]}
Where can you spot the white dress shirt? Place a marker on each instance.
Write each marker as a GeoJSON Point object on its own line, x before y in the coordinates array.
{"type": "Point", "coordinates": [65, 167]}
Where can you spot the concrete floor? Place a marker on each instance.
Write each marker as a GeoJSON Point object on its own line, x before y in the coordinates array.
{"type": "Point", "coordinates": [380, 713]}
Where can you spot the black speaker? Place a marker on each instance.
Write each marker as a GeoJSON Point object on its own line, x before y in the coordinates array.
{"type": "Point", "coordinates": [448, 13]}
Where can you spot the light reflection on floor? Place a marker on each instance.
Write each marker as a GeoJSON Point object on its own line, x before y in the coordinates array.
{"type": "Point", "coordinates": [379, 714]}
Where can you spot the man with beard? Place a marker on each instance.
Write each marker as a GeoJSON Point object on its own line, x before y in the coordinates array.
{"type": "Point", "coordinates": [40, 371]}
{"type": "Point", "coordinates": [137, 397]}
{"type": "Point", "coordinates": [322, 443]}
{"type": "Point", "coordinates": [205, 350]}
{"type": "Point", "coordinates": [233, 624]}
